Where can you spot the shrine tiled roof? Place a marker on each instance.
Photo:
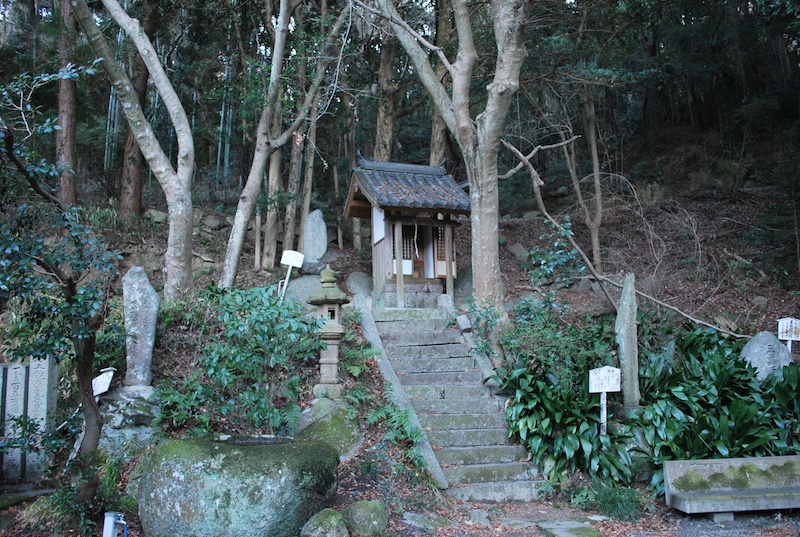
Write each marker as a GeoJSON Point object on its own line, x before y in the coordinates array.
{"type": "Point", "coordinates": [409, 186]}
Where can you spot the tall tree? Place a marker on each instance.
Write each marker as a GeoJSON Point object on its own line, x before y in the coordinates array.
{"type": "Point", "coordinates": [130, 196]}
{"type": "Point", "coordinates": [175, 182]}
{"type": "Point", "coordinates": [478, 137]}
{"type": "Point", "coordinates": [66, 142]}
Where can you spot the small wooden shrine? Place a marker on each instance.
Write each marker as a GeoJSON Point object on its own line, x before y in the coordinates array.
{"type": "Point", "coordinates": [413, 210]}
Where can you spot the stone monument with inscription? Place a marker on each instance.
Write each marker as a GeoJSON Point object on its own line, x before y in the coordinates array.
{"type": "Point", "coordinates": [30, 393]}
{"type": "Point", "coordinates": [141, 315]}
{"type": "Point", "coordinates": [625, 330]}
{"type": "Point", "coordinates": [766, 353]}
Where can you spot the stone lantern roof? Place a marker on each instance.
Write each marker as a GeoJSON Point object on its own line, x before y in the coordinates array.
{"type": "Point", "coordinates": [330, 293]}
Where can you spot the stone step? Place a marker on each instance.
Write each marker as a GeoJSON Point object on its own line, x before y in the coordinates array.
{"type": "Point", "coordinates": [456, 406]}
{"type": "Point", "coordinates": [485, 473]}
{"type": "Point", "coordinates": [417, 285]}
{"type": "Point", "coordinates": [447, 422]}
{"type": "Point", "coordinates": [428, 391]}
{"type": "Point", "coordinates": [437, 365]}
{"type": "Point", "coordinates": [468, 437]}
{"type": "Point", "coordinates": [498, 491]}
{"type": "Point", "coordinates": [402, 314]}
{"type": "Point", "coordinates": [409, 339]}
{"type": "Point", "coordinates": [448, 377]}
{"type": "Point", "coordinates": [412, 326]}
{"type": "Point", "coordinates": [449, 350]}
{"type": "Point", "coordinates": [461, 456]}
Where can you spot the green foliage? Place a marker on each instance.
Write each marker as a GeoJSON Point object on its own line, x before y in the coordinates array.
{"type": "Point", "coordinates": [701, 399]}
{"type": "Point", "coordinates": [484, 321]}
{"type": "Point", "coordinates": [561, 427]}
{"type": "Point", "coordinates": [563, 354]}
{"type": "Point", "coordinates": [550, 409]}
{"type": "Point", "coordinates": [621, 503]}
{"type": "Point", "coordinates": [56, 273]}
{"type": "Point", "coordinates": [401, 431]}
{"type": "Point", "coordinates": [704, 401]}
{"type": "Point", "coordinates": [110, 347]}
{"type": "Point", "coordinates": [354, 351]}
{"type": "Point", "coordinates": [559, 263]}
{"type": "Point", "coordinates": [250, 371]}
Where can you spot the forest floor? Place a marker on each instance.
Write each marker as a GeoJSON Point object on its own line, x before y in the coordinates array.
{"type": "Point", "coordinates": [730, 261]}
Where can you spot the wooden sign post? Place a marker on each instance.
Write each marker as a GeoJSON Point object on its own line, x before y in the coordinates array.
{"type": "Point", "coordinates": [789, 330]}
{"type": "Point", "coordinates": [603, 380]}
{"type": "Point", "coordinates": [291, 259]}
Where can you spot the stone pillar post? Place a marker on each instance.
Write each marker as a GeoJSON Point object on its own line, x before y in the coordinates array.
{"type": "Point", "coordinates": [625, 328]}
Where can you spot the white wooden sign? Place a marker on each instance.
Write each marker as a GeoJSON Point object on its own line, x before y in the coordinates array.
{"type": "Point", "coordinates": [789, 330]}
{"type": "Point", "coordinates": [292, 258]}
{"type": "Point", "coordinates": [605, 379]}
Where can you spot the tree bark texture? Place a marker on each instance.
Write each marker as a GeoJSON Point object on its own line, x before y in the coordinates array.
{"type": "Point", "coordinates": [66, 142]}
{"type": "Point", "coordinates": [384, 128]}
{"type": "Point", "coordinates": [593, 221]}
{"type": "Point", "coordinates": [130, 196]}
{"type": "Point", "coordinates": [293, 192]}
{"type": "Point", "coordinates": [176, 184]}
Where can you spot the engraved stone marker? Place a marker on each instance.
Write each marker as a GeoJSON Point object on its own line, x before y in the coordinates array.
{"type": "Point", "coordinates": [766, 353]}
{"type": "Point", "coordinates": [315, 237]}
{"type": "Point", "coordinates": [141, 315]}
{"type": "Point", "coordinates": [15, 410]}
{"type": "Point", "coordinates": [625, 329]}
{"type": "Point", "coordinates": [42, 395]}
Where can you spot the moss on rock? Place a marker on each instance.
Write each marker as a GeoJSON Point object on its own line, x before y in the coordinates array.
{"type": "Point", "coordinates": [336, 429]}
{"type": "Point", "coordinates": [203, 487]}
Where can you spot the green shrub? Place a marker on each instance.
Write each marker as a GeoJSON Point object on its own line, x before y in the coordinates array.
{"type": "Point", "coordinates": [561, 427]}
{"type": "Point", "coordinates": [550, 409]}
{"type": "Point", "coordinates": [251, 370]}
{"type": "Point", "coordinates": [559, 263]}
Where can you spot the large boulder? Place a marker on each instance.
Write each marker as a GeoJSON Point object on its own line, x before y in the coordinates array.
{"type": "Point", "coordinates": [243, 487]}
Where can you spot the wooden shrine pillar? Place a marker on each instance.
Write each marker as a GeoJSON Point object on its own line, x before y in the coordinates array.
{"type": "Point", "coordinates": [398, 260]}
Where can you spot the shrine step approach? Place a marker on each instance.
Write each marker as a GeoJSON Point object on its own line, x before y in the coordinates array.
{"type": "Point", "coordinates": [434, 370]}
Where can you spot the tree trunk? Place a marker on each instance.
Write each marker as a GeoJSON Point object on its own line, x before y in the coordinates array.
{"type": "Point", "coordinates": [308, 174]}
{"type": "Point", "coordinates": [593, 222]}
{"type": "Point", "coordinates": [130, 196]}
{"type": "Point", "coordinates": [247, 201]}
{"type": "Point", "coordinates": [84, 357]}
{"type": "Point", "coordinates": [444, 38]}
{"type": "Point", "coordinates": [350, 149]}
{"type": "Point", "coordinates": [384, 128]}
{"type": "Point", "coordinates": [292, 192]}
{"type": "Point", "coordinates": [271, 224]}
{"type": "Point", "coordinates": [66, 147]}
{"type": "Point", "coordinates": [176, 184]}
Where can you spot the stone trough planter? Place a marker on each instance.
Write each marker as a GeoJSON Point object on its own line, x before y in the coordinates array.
{"type": "Point", "coordinates": [234, 486]}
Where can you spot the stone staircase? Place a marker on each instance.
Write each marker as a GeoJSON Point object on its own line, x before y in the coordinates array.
{"type": "Point", "coordinates": [463, 421]}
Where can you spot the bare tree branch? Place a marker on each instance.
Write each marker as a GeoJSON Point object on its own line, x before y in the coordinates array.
{"type": "Point", "coordinates": [590, 266]}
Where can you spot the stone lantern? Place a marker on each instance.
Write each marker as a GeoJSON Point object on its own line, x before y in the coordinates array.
{"type": "Point", "coordinates": [328, 301]}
